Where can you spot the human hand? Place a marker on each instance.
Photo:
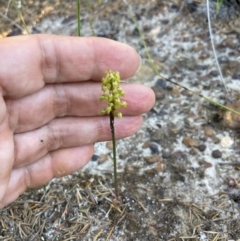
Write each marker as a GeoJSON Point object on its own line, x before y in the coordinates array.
{"type": "Point", "coordinates": [49, 106]}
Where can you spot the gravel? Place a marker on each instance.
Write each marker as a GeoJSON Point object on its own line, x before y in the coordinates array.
{"type": "Point", "coordinates": [184, 191]}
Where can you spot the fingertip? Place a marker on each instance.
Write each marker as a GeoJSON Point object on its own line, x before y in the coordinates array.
{"type": "Point", "coordinates": [116, 56]}
{"type": "Point", "coordinates": [128, 126]}
{"type": "Point", "coordinates": [140, 99]}
{"type": "Point", "coordinates": [69, 160]}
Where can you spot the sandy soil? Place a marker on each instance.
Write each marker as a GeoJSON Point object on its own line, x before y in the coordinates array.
{"type": "Point", "coordinates": [179, 174]}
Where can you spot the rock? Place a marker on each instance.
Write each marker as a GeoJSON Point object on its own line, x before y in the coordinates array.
{"type": "Point", "coordinates": [175, 92]}
{"type": "Point", "coordinates": [159, 92]}
{"type": "Point", "coordinates": [95, 158]}
{"type": "Point", "coordinates": [208, 132]}
{"type": "Point", "coordinates": [232, 183]}
{"type": "Point", "coordinates": [201, 67]}
{"type": "Point", "coordinates": [232, 120]}
{"type": "Point", "coordinates": [146, 144]}
{"type": "Point", "coordinates": [207, 164]}
{"type": "Point", "coordinates": [193, 152]}
{"type": "Point", "coordinates": [229, 42]}
{"type": "Point", "coordinates": [162, 83]}
{"type": "Point", "coordinates": [214, 73]}
{"type": "Point", "coordinates": [109, 145]}
{"type": "Point", "coordinates": [157, 134]}
{"type": "Point", "coordinates": [166, 154]}
{"type": "Point", "coordinates": [135, 32]}
{"type": "Point", "coordinates": [236, 76]}
{"type": "Point", "coordinates": [202, 147]}
{"type": "Point", "coordinates": [154, 148]}
{"type": "Point", "coordinates": [15, 32]}
{"type": "Point", "coordinates": [216, 154]}
{"type": "Point", "coordinates": [223, 60]}
{"type": "Point", "coordinates": [186, 93]}
{"type": "Point", "coordinates": [153, 159]}
{"type": "Point", "coordinates": [178, 154]}
{"type": "Point", "coordinates": [226, 141]}
{"type": "Point", "coordinates": [189, 142]}
{"type": "Point", "coordinates": [162, 112]}
{"type": "Point", "coordinates": [155, 170]}
{"type": "Point", "coordinates": [103, 158]}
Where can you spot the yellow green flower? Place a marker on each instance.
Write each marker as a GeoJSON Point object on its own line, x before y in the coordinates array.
{"type": "Point", "coordinates": [112, 92]}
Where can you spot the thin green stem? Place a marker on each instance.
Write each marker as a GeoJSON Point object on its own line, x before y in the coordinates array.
{"type": "Point", "coordinates": [20, 16]}
{"type": "Point", "coordinates": [78, 16]}
{"type": "Point", "coordinates": [114, 152]}
{"type": "Point", "coordinates": [90, 12]}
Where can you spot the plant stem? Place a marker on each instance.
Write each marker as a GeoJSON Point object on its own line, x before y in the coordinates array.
{"type": "Point", "coordinates": [114, 152]}
{"type": "Point", "coordinates": [78, 15]}
{"type": "Point", "coordinates": [20, 16]}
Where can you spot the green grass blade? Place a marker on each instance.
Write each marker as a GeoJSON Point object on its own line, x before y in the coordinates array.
{"type": "Point", "coordinates": [78, 16]}
{"type": "Point", "coordinates": [20, 16]}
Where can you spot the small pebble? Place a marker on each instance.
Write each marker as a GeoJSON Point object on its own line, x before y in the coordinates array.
{"type": "Point", "coordinates": [232, 182]}
{"type": "Point", "coordinates": [178, 154]}
{"type": "Point", "coordinates": [135, 32]}
{"type": "Point", "coordinates": [201, 67]}
{"type": "Point", "coordinates": [159, 92]}
{"type": "Point", "coordinates": [208, 132]}
{"type": "Point", "coordinates": [228, 42]}
{"type": "Point", "coordinates": [216, 154]}
{"type": "Point", "coordinates": [214, 73]}
{"type": "Point", "coordinates": [152, 159]}
{"type": "Point", "coordinates": [103, 158]}
{"type": "Point", "coordinates": [175, 92]}
{"type": "Point", "coordinates": [166, 154]}
{"type": "Point", "coordinates": [146, 144]}
{"type": "Point", "coordinates": [226, 141]}
{"type": "Point", "coordinates": [157, 134]}
{"type": "Point", "coordinates": [162, 83]}
{"type": "Point", "coordinates": [109, 145]}
{"type": "Point", "coordinates": [202, 147]}
{"type": "Point", "coordinates": [207, 164]}
{"type": "Point", "coordinates": [154, 148]}
{"type": "Point", "coordinates": [231, 54]}
{"type": "Point", "coordinates": [186, 93]}
{"type": "Point", "coordinates": [155, 170]}
{"type": "Point", "coordinates": [95, 158]}
{"type": "Point", "coordinates": [236, 76]}
{"type": "Point", "coordinates": [189, 142]}
{"type": "Point", "coordinates": [223, 60]}
{"type": "Point", "coordinates": [193, 152]}
{"type": "Point", "coordinates": [162, 112]}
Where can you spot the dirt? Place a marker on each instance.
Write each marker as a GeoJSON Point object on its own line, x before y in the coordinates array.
{"type": "Point", "coordinates": [178, 176]}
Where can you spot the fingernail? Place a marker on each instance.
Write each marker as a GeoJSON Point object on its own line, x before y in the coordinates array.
{"type": "Point", "coordinates": [140, 64]}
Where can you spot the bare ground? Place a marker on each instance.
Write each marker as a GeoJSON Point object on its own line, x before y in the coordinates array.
{"type": "Point", "coordinates": [179, 174]}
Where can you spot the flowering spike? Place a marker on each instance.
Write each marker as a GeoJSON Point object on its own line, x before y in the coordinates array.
{"type": "Point", "coordinates": [112, 92]}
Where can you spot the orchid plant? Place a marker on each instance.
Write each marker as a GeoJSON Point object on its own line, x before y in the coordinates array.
{"type": "Point", "coordinates": [112, 92]}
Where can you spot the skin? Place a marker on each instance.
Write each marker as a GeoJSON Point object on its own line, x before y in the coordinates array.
{"type": "Point", "coordinates": [49, 106]}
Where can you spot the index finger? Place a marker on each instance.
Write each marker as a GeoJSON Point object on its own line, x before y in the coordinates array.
{"type": "Point", "coordinates": [29, 62]}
